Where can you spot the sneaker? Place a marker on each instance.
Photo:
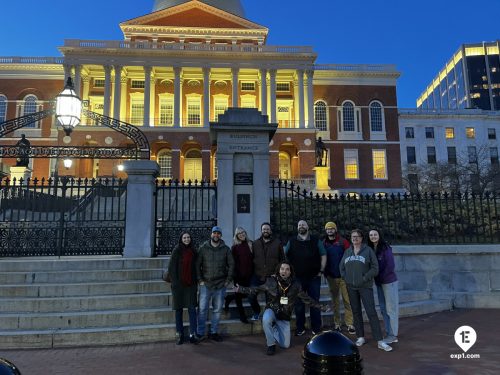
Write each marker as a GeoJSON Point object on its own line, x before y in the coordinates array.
{"type": "Point", "coordinates": [314, 333]}
{"type": "Point", "coordinates": [300, 332]}
{"type": "Point", "coordinates": [194, 339]}
{"type": "Point", "coordinates": [351, 330]}
{"type": "Point", "coordinates": [390, 339]}
{"type": "Point", "coordinates": [180, 339]}
{"type": "Point", "coordinates": [338, 328]}
{"type": "Point", "coordinates": [271, 350]}
{"type": "Point", "coordinates": [360, 341]}
{"type": "Point", "coordinates": [215, 337]}
{"type": "Point", "coordinates": [382, 345]}
{"type": "Point", "coordinates": [255, 317]}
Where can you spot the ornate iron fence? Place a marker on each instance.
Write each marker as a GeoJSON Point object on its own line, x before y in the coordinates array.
{"type": "Point", "coordinates": [62, 217]}
{"type": "Point", "coordinates": [402, 218]}
{"type": "Point", "coordinates": [183, 206]}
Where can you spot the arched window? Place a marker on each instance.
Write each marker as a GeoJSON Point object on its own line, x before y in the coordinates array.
{"type": "Point", "coordinates": [348, 124]}
{"type": "Point", "coordinates": [164, 160]}
{"type": "Point", "coordinates": [320, 116]}
{"type": "Point", "coordinates": [3, 108]}
{"type": "Point", "coordinates": [377, 121]}
{"type": "Point", "coordinates": [29, 107]}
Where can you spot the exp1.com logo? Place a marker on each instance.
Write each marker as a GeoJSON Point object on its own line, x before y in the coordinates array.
{"type": "Point", "coordinates": [465, 337]}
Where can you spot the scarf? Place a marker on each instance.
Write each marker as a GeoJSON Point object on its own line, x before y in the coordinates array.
{"type": "Point", "coordinates": [187, 256]}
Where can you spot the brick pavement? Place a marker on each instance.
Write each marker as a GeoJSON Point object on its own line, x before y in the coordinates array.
{"type": "Point", "coordinates": [426, 343]}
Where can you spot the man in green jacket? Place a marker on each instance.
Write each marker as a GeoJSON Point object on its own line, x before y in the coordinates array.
{"type": "Point", "coordinates": [214, 267]}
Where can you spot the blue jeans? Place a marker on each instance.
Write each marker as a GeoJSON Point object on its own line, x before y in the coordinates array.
{"type": "Point", "coordinates": [276, 331]}
{"type": "Point", "coordinates": [388, 300]}
{"type": "Point", "coordinates": [217, 298]}
{"type": "Point", "coordinates": [312, 287]}
{"type": "Point", "coordinates": [179, 325]}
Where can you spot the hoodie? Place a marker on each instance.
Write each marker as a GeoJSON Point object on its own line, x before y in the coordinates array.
{"type": "Point", "coordinates": [359, 270]}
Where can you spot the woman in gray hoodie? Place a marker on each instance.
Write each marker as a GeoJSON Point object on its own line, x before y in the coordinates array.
{"type": "Point", "coordinates": [358, 268]}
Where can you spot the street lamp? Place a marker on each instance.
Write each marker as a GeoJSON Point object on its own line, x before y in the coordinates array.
{"type": "Point", "coordinates": [68, 107]}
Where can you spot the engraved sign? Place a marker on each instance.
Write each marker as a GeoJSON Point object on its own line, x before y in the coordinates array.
{"type": "Point", "coordinates": [243, 178]}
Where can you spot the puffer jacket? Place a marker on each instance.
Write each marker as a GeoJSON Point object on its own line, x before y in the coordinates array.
{"type": "Point", "coordinates": [215, 265]}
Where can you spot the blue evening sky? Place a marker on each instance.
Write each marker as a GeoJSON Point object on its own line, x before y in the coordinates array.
{"type": "Point", "coordinates": [418, 37]}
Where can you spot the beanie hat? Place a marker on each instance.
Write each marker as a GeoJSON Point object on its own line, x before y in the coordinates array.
{"type": "Point", "coordinates": [331, 225]}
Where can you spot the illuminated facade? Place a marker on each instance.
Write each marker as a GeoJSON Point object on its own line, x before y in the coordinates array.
{"type": "Point", "coordinates": [471, 79]}
{"type": "Point", "coordinates": [178, 68]}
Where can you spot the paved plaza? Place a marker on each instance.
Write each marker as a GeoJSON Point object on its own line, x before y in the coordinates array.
{"type": "Point", "coordinates": [426, 343]}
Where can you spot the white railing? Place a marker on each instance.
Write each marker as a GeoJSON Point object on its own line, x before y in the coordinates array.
{"type": "Point", "coordinates": [446, 112]}
{"type": "Point", "coordinates": [357, 67]}
{"type": "Point", "coordinates": [31, 60]}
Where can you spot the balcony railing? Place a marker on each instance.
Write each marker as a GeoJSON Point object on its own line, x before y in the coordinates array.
{"type": "Point", "coordinates": [31, 60]}
{"type": "Point", "coordinates": [357, 67]}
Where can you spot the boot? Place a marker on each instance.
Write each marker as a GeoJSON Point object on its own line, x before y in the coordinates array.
{"type": "Point", "coordinates": [180, 338]}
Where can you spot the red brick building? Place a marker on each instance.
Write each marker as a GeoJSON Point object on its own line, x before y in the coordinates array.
{"type": "Point", "coordinates": [185, 63]}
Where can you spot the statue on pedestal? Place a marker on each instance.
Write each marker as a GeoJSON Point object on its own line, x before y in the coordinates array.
{"type": "Point", "coordinates": [24, 147]}
{"type": "Point", "coordinates": [321, 153]}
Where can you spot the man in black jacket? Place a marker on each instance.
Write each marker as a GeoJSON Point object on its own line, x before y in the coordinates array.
{"type": "Point", "coordinates": [282, 291]}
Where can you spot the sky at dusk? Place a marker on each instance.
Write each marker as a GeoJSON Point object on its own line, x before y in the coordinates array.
{"type": "Point", "coordinates": [419, 37]}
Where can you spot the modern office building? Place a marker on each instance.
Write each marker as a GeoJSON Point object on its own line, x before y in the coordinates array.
{"type": "Point", "coordinates": [470, 79]}
{"type": "Point", "coordinates": [182, 65]}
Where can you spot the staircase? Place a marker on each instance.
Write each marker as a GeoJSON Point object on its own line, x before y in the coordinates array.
{"type": "Point", "coordinates": [49, 303]}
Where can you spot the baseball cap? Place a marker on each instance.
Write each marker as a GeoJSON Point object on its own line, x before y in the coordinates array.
{"type": "Point", "coordinates": [331, 225]}
{"type": "Point", "coordinates": [216, 229]}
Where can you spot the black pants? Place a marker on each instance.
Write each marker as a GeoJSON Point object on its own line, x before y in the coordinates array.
{"type": "Point", "coordinates": [365, 295]}
{"type": "Point", "coordinates": [238, 297]}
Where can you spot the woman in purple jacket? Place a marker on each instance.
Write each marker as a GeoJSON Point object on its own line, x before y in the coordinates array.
{"type": "Point", "coordinates": [387, 285]}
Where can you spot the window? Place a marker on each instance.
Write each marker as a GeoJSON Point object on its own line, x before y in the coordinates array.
{"type": "Point", "coordinates": [220, 106]}
{"type": "Point", "coordinates": [470, 133]}
{"type": "Point", "coordinates": [247, 101]}
{"type": "Point", "coordinates": [431, 155]}
{"type": "Point", "coordinates": [351, 165]}
{"type": "Point", "coordinates": [472, 153]}
{"type": "Point", "coordinates": [247, 86]}
{"type": "Point", "coordinates": [320, 116]}
{"type": "Point", "coordinates": [449, 133]}
{"type": "Point", "coordinates": [409, 133]}
{"type": "Point", "coordinates": [30, 106]}
{"type": "Point", "coordinates": [492, 134]}
{"type": "Point", "coordinates": [494, 155]}
{"type": "Point", "coordinates": [379, 165]}
{"type": "Point", "coordinates": [3, 108]}
{"type": "Point", "coordinates": [99, 82]}
{"type": "Point", "coordinates": [349, 120]}
{"type": "Point", "coordinates": [166, 111]}
{"type": "Point", "coordinates": [452, 155]}
{"type": "Point", "coordinates": [283, 86]}
{"type": "Point", "coordinates": [193, 111]}
{"type": "Point", "coordinates": [411, 155]}
{"type": "Point", "coordinates": [376, 117]}
{"type": "Point", "coordinates": [136, 84]}
{"type": "Point", "coordinates": [413, 183]}
{"type": "Point", "coordinates": [348, 117]}
{"type": "Point", "coordinates": [137, 111]}
{"type": "Point", "coordinates": [429, 132]}
{"type": "Point", "coordinates": [165, 162]}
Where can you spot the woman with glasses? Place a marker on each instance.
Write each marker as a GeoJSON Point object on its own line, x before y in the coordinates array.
{"type": "Point", "coordinates": [243, 271]}
{"type": "Point", "coordinates": [358, 268]}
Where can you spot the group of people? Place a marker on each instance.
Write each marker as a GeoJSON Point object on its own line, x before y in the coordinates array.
{"type": "Point", "coordinates": [290, 277]}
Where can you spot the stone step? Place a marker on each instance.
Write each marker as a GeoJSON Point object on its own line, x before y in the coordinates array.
{"type": "Point", "coordinates": [424, 307]}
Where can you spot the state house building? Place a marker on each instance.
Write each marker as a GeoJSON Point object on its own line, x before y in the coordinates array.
{"type": "Point", "coordinates": [181, 66]}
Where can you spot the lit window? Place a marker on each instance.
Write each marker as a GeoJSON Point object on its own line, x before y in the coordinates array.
{"type": "Point", "coordinates": [348, 117]}
{"type": "Point", "coordinates": [136, 84]}
{"type": "Point", "coordinates": [450, 133]}
{"type": "Point", "coordinates": [164, 160]}
{"type": "Point", "coordinates": [492, 134]}
{"type": "Point", "coordinates": [99, 82]}
{"type": "Point", "coordinates": [166, 111]}
{"type": "Point", "coordinates": [376, 123]}
{"type": "Point", "coordinates": [351, 164]}
{"type": "Point", "coordinates": [283, 86]}
{"type": "Point", "coordinates": [137, 112]}
{"type": "Point", "coordinates": [379, 165]}
{"type": "Point", "coordinates": [429, 132]}
{"type": "Point", "coordinates": [193, 111]}
{"type": "Point", "coordinates": [247, 86]}
{"type": "Point", "coordinates": [320, 116]}
{"type": "Point", "coordinates": [247, 101]}
{"type": "Point", "coordinates": [220, 106]}
{"type": "Point", "coordinates": [409, 133]}
{"type": "Point", "coordinates": [3, 108]}
{"type": "Point", "coordinates": [470, 132]}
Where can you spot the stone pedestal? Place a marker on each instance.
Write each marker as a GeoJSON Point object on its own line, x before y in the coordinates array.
{"type": "Point", "coordinates": [321, 178]}
{"type": "Point", "coordinates": [140, 221]}
{"type": "Point", "coordinates": [242, 136]}
{"type": "Point", "coordinates": [20, 173]}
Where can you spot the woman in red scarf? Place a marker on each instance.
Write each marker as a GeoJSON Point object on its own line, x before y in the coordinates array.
{"type": "Point", "coordinates": [182, 272]}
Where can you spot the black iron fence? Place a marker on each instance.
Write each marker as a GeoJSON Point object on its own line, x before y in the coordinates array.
{"type": "Point", "coordinates": [183, 206]}
{"type": "Point", "coordinates": [402, 218]}
{"type": "Point", "coordinates": [62, 217]}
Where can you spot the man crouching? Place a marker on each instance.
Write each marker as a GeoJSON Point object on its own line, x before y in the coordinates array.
{"type": "Point", "coordinates": [282, 291]}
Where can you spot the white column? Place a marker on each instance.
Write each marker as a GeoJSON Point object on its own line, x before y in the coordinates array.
{"type": "Point", "coordinates": [117, 95]}
{"type": "Point", "coordinates": [152, 100]}
{"type": "Point", "coordinates": [206, 97]}
{"type": "Point", "coordinates": [107, 89]}
{"type": "Point", "coordinates": [272, 75]}
{"type": "Point", "coordinates": [67, 72]}
{"type": "Point", "coordinates": [86, 87]}
{"type": "Point", "coordinates": [235, 72]}
{"type": "Point", "coordinates": [147, 94]}
{"type": "Point", "coordinates": [263, 91]}
{"type": "Point", "coordinates": [310, 99]}
{"type": "Point", "coordinates": [123, 99]}
{"type": "Point", "coordinates": [78, 78]}
{"type": "Point", "coordinates": [300, 83]}
{"type": "Point", "coordinates": [177, 96]}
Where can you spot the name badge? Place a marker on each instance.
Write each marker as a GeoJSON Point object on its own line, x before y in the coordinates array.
{"type": "Point", "coordinates": [284, 300]}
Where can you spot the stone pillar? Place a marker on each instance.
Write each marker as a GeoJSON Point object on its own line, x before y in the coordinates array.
{"type": "Point", "coordinates": [117, 95]}
{"type": "Point", "coordinates": [152, 100]}
{"type": "Point", "coordinates": [107, 89]}
{"type": "Point", "coordinates": [147, 94]}
{"type": "Point", "coordinates": [78, 79]}
{"type": "Point", "coordinates": [242, 136]}
{"type": "Point", "coordinates": [140, 219]}
{"type": "Point", "coordinates": [206, 97]}
{"type": "Point", "coordinates": [67, 72]}
{"type": "Point", "coordinates": [310, 99]}
{"type": "Point", "coordinates": [235, 72]}
{"type": "Point", "coordinates": [20, 173]}
{"type": "Point", "coordinates": [300, 83]}
{"type": "Point", "coordinates": [272, 75]}
{"type": "Point", "coordinates": [263, 91]}
{"type": "Point", "coordinates": [321, 178]}
{"type": "Point", "coordinates": [123, 99]}
{"type": "Point", "coordinates": [177, 96]}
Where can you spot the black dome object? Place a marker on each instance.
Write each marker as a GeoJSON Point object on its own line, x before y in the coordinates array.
{"type": "Point", "coordinates": [232, 6]}
{"type": "Point", "coordinates": [8, 368]}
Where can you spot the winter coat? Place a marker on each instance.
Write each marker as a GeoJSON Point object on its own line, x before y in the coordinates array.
{"type": "Point", "coordinates": [334, 253]}
{"type": "Point", "coordinates": [183, 296]}
{"type": "Point", "coordinates": [359, 270]}
{"type": "Point", "coordinates": [215, 265]}
{"type": "Point", "coordinates": [266, 257]}
{"type": "Point", "coordinates": [386, 265]}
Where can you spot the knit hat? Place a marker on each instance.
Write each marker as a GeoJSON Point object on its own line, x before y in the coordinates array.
{"type": "Point", "coordinates": [331, 225]}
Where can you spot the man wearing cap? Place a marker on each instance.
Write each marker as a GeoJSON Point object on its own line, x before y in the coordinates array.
{"type": "Point", "coordinates": [214, 266]}
{"type": "Point", "coordinates": [308, 257]}
{"type": "Point", "coordinates": [335, 245]}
